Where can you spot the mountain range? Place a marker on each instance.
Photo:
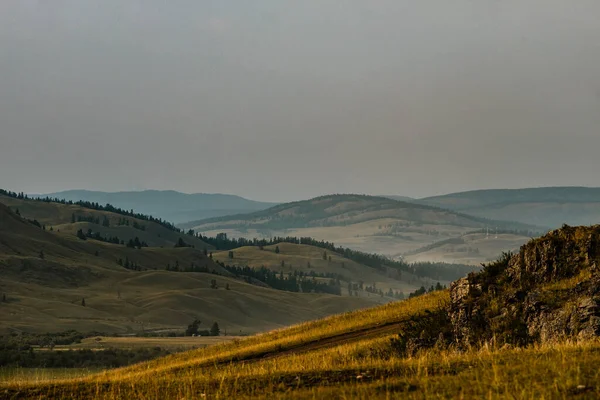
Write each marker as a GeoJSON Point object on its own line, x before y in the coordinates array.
{"type": "Point", "coordinates": [169, 205]}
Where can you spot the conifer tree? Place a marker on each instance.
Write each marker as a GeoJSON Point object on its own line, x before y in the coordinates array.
{"type": "Point", "coordinates": [214, 330]}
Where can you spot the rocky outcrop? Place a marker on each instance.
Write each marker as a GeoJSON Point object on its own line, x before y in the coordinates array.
{"type": "Point", "coordinates": [548, 291]}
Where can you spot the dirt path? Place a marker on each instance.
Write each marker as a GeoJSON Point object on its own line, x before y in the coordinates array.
{"type": "Point", "coordinates": [388, 328]}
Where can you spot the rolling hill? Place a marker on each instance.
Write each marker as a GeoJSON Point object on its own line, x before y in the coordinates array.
{"type": "Point", "coordinates": [45, 275]}
{"type": "Point", "coordinates": [365, 223]}
{"type": "Point", "coordinates": [527, 326]}
{"type": "Point", "coordinates": [170, 205]}
{"type": "Point", "coordinates": [547, 206]}
{"type": "Point", "coordinates": [69, 218]}
{"type": "Point", "coordinates": [310, 260]}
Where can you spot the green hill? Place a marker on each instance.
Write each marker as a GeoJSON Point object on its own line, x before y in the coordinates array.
{"type": "Point", "coordinates": [68, 218]}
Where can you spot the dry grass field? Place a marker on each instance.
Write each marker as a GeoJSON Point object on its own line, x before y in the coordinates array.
{"type": "Point", "coordinates": [340, 357]}
{"type": "Point", "coordinates": [296, 257]}
{"type": "Point", "coordinates": [132, 342]}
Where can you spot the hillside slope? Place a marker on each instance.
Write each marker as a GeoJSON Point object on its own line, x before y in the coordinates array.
{"type": "Point", "coordinates": [527, 326]}
{"type": "Point", "coordinates": [170, 205]}
{"type": "Point", "coordinates": [289, 258]}
{"type": "Point", "coordinates": [45, 275]}
{"type": "Point", "coordinates": [366, 223]}
{"type": "Point", "coordinates": [550, 206]}
{"type": "Point", "coordinates": [69, 218]}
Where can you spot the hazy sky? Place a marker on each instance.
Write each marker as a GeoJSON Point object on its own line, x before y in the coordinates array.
{"type": "Point", "coordinates": [279, 100]}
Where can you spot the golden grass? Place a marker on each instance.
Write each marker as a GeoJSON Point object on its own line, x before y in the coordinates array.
{"type": "Point", "coordinates": [291, 364]}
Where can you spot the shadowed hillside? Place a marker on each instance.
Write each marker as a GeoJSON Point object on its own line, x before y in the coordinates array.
{"type": "Point", "coordinates": [46, 277]}
{"type": "Point", "coordinates": [69, 218]}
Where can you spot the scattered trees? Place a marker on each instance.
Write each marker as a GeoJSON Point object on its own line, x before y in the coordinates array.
{"type": "Point", "coordinates": [192, 328]}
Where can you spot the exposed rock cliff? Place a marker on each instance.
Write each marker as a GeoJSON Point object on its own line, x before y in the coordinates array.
{"type": "Point", "coordinates": [548, 291]}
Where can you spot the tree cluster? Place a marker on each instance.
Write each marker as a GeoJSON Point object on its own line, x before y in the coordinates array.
{"type": "Point", "coordinates": [291, 282]}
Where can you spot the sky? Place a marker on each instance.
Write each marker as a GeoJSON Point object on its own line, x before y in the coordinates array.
{"type": "Point", "coordinates": [283, 101]}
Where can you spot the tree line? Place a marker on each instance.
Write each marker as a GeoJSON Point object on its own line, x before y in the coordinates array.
{"type": "Point", "coordinates": [291, 282]}
{"type": "Point", "coordinates": [377, 261]}
{"type": "Point", "coordinates": [93, 206]}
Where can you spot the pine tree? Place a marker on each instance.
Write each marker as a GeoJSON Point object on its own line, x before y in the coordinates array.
{"type": "Point", "coordinates": [227, 287]}
{"type": "Point", "coordinates": [213, 284]}
{"type": "Point", "coordinates": [73, 218]}
{"type": "Point", "coordinates": [276, 249]}
{"type": "Point", "coordinates": [231, 255]}
{"type": "Point", "coordinates": [41, 255]}
{"type": "Point", "coordinates": [214, 330]}
{"type": "Point", "coordinates": [325, 255]}
{"type": "Point", "coordinates": [83, 302]}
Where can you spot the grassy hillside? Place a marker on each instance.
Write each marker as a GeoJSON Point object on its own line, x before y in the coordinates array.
{"type": "Point", "coordinates": [60, 217]}
{"type": "Point", "coordinates": [525, 327]}
{"type": "Point", "coordinates": [366, 223]}
{"type": "Point", "coordinates": [168, 204]}
{"type": "Point", "coordinates": [45, 275]}
{"type": "Point", "coordinates": [338, 210]}
{"type": "Point", "coordinates": [346, 356]}
{"type": "Point", "coordinates": [551, 206]}
{"type": "Point", "coordinates": [309, 259]}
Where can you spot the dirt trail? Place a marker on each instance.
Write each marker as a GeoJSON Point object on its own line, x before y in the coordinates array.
{"type": "Point", "coordinates": [388, 328]}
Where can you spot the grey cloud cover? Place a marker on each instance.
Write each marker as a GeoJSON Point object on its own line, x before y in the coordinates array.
{"type": "Point", "coordinates": [287, 100]}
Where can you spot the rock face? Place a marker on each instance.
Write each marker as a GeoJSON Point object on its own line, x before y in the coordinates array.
{"type": "Point", "coordinates": [548, 291]}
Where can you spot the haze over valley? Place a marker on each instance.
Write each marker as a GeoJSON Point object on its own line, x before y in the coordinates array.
{"type": "Point", "coordinates": [301, 200]}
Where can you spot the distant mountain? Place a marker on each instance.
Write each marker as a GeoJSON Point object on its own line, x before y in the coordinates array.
{"type": "Point", "coordinates": [399, 198]}
{"type": "Point", "coordinates": [169, 205]}
{"type": "Point", "coordinates": [344, 210]}
{"type": "Point", "coordinates": [370, 224]}
{"type": "Point", "coordinates": [548, 206]}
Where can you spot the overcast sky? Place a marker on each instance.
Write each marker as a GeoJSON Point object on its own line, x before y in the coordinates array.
{"type": "Point", "coordinates": [281, 101]}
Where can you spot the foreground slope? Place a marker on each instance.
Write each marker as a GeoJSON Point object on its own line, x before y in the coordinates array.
{"type": "Point", "coordinates": [550, 206]}
{"type": "Point", "coordinates": [45, 275]}
{"type": "Point", "coordinates": [507, 332]}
